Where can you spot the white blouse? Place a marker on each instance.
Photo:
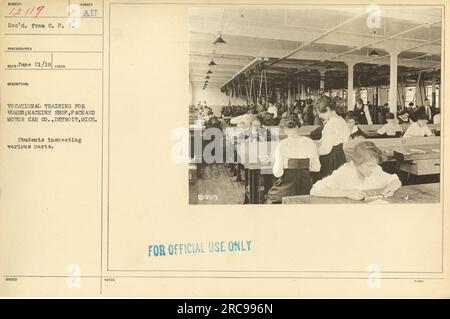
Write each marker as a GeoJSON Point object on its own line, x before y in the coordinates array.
{"type": "Point", "coordinates": [346, 178]}
{"type": "Point", "coordinates": [415, 130]}
{"type": "Point", "coordinates": [273, 109]}
{"type": "Point", "coordinates": [334, 133]}
{"type": "Point", "coordinates": [292, 147]}
{"type": "Point", "coordinates": [437, 118]}
{"type": "Point", "coordinates": [244, 120]}
{"type": "Point", "coordinates": [390, 129]}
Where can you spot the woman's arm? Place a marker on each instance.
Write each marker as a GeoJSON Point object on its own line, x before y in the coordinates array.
{"type": "Point", "coordinates": [428, 132]}
{"type": "Point", "coordinates": [330, 186]}
{"type": "Point", "coordinates": [408, 132]}
{"type": "Point", "coordinates": [325, 146]}
{"type": "Point", "coordinates": [278, 168]}
{"type": "Point", "coordinates": [327, 140]}
{"type": "Point", "coordinates": [314, 165]}
{"type": "Point", "coordinates": [237, 119]}
{"type": "Point", "coordinates": [382, 130]}
{"type": "Point", "coordinates": [313, 155]}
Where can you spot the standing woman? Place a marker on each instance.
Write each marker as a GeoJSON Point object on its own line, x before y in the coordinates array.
{"type": "Point", "coordinates": [362, 113]}
{"type": "Point", "coordinates": [334, 134]}
{"type": "Point", "coordinates": [308, 113]}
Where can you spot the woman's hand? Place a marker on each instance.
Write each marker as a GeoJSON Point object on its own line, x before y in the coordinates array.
{"type": "Point", "coordinates": [355, 194]}
{"type": "Point", "coordinates": [388, 192]}
{"type": "Point", "coordinates": [390, 189]}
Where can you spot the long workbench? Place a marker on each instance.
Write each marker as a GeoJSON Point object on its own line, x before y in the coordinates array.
{"type": "Point", "coordinates": [259, 155]}
{"type": "Point", "coordinates": [370, 130]}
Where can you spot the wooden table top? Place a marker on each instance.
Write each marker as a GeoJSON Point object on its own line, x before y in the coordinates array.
{"type": "Point", "coordinates": [370, 130]}
{"type": "Point", "coordinates": [411, 194]}
{"type": "Point", "coordinates": [409, 148]}
{"type": "Point", "coordinates": [419, 152]}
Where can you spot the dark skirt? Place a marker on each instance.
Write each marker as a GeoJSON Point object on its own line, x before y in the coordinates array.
{"type": "Point", "coordinates": [332, 161]}
{"type": "Point", "coordinates": [292, 182]}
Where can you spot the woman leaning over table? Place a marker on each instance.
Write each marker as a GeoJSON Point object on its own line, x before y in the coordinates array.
{"type": "Point", "coordinates": [361, 174]}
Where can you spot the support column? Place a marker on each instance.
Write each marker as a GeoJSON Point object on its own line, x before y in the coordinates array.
{"type": "Point", "coordinates": [393, 82]}
{"type": "Point", "coordinates": [377, 97]}
{"type": "Point", "coordinates": [401, 93]}
{"type": "Point", "coordinates": [404, 96]}
{"type": "Point", "coordinates": [350, 97]}
{"type": "Point", "coordinates": [289, 97]}
{"type": "Point", "coordinates": [433, 90]}
{"type": "Point", "coordinates": [322, 80]}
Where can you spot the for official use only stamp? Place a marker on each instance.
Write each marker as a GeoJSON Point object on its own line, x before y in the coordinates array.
{"type": "Point", "coordinates": [218, 246]}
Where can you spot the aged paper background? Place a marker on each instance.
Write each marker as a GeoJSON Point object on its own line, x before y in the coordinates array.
{"type": "Point", "coordinates": [100, 204]}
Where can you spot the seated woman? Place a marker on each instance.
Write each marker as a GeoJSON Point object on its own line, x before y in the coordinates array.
{"type": "Point", "coordinates": [259, 107]}
{"type": "Point", "coordinates": [362, 113]}
{"type": "Point", "coordinates": [213, 122]}
{"type": "Point", "coordinates": [268, 120]}
{"type": "Point", "coordinates": [299, 115]}
{"type": "Point", "coordinates": [437, 117]}
{"type": "Point", "coordinates": [244, 120]}
{"type": "Point", "coordinates": [254, 133]}
{"type": "Point", "coordinates": [419, 128]}
{"type": "Point", "coordinates": [284, 118]}
{"type": "Point", "coordinates": [308, 113]}
{"type": "Point", "coordinates": [293, 181]}
{"type": "Point", "coordinates": [391, 128]}
{"type": "Point", "coordinates": [297, 107]}
{"type": "Point", "coordinates": [361, 174]}
{"type": "Point", "coordinates": [273, 110]}
{"type": "Point", "coordinates": [355, 131]}
{"type": "Point", "coordinates": [207, 113]}
{"type": "Point", "coordinates": [403, 117]}
{"type": "Point", "coordinates": [334, 134]}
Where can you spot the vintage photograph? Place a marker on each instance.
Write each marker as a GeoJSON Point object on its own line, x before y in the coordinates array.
{"type": "Point", "coordinates": [223, 149]}
{"type": "Point", "coordinates": [315, 104]}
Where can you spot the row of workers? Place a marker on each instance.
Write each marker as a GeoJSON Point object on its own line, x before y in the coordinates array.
{"type": "Point", "coordinates": [327, 160]}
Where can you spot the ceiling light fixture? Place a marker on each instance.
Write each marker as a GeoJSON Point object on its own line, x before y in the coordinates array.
{"type": "Point", "coordinates": [219, 40]}
{"type": "Point", "coordinates": [373, 53]}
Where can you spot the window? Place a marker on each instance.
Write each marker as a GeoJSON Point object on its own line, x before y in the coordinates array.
{"type": "Point", "coordinates": [429, 92]}
{"type": "Point", "coordinates": [410, 95]}
{"type": "Point", "coordinates": [363, 95]}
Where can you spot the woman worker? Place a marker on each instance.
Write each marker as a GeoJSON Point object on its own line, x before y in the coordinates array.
{"type": "Point", "coordinates": [334, 134]}
{"type": "Point", "coordinates": [292, 181]}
